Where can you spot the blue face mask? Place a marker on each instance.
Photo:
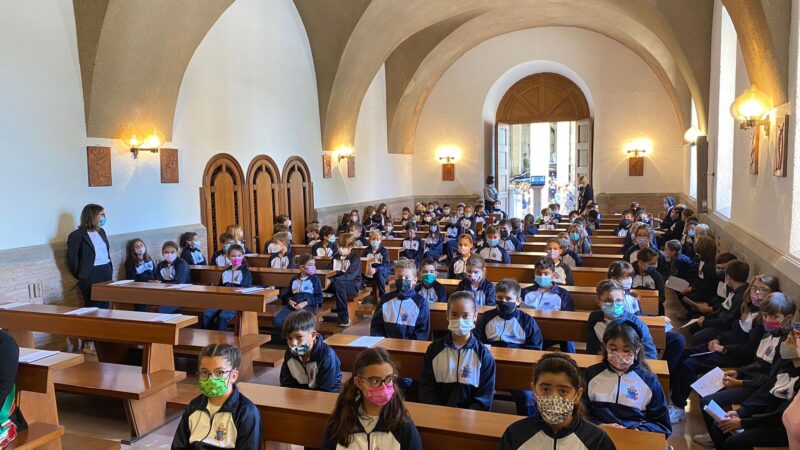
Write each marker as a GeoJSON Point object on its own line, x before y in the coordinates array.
{"type": "Point", "coordinates": [102, 222]}
{"type": "Point", "coordinates": [574, 236]}
{"type": "Point", "coordinates": [565, 243]}
{"type": "Point", "coordinates": [690, 234]}
{"type": "Point", "coordinates": [332, 239]}
{"type": "Point", "coordinates": [613, 309]}
{"type": "Point", "coordinates": [543, 280]}
{"type": "Point", "coordinates": [375, 244]}
{"type": "Point", "coordinates": [650, 270]}
{"type": "Point", "coordinates": [493, 242]}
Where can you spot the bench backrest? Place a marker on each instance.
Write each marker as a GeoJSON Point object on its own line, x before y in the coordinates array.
{"type": "Point", "coordinates": [195, 296]}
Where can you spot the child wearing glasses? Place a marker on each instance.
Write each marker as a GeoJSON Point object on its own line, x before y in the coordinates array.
{"type": "Point", "coordinates": [369, 413]}
{"type": "Point", "coordinates": [221, 417]}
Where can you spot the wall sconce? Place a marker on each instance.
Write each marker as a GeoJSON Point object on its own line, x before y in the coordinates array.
{"type": "Point", "coordinates": [343, 152]}
{"type": "Point", "coordinates": [137, 141]}
{"type": "Point", "coordinates": [636, 150]}
{"type": "Point", "coordinates": [752, 109]}
{"type": "Point", "coordinates": [447, 154]}
{"type": "Point", "coordinates": [690, 137]}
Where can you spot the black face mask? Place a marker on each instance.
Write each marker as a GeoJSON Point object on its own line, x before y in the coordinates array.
{"type": "Point", "coordinates": [721, 275]}
{"type": "Point", "coordinates": [504, 234]}
{"type": "Point", "coordinates": [506, 307]}
{"type": "Point", "coordinates": [402, 285]}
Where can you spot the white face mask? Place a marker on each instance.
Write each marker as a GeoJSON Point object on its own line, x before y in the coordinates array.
{"type": "Point", "coordinates": [554, 409]}
{"type": "Point", "coordinates": [460, 327]}
{"type": "Point", "coordinates": [170, 257]}
{"type": "Point", "coordinates": [344, 251]}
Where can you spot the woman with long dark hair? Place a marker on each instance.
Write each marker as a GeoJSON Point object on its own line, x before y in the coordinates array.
{"type": "Point", "coordinates": [88, 253]}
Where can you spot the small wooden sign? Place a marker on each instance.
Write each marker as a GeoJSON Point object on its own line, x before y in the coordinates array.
{"type": "Point", "coordinates": [327, 165]}
{"type": "Point", "coordinates": [169, 165]}
{"type": "Point", "coordinates": [98, 164]}
{"type": "Point", "coordinates": [781, 146]}
{"type": "Point", "coordinates": [448, 172]}
{"type": "Point", "coordinates": [351, 167]}
{"type": "Point", "coordinates": [636, 166]}
{"type": "Point", "coordinates": [755, 149]}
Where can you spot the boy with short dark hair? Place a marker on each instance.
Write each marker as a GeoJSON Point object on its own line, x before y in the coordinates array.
{"type": "Point", "coordinates": [309, 363]}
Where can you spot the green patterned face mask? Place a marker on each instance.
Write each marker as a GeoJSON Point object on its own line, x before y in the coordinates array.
{"type": "Point", "coordinates": [213, 387]}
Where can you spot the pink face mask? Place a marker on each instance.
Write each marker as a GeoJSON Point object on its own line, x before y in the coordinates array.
{"type": "Point", "coordinates": [380, 395]}
{"type": "Point", "coordinates": [554, 254]}
{"type": "Point", "coordinates": [236, 260]}
{"type": "Point", "coordinates": [170, 257]}
{"type": "Point", "coordinates": [756, 299]}
{"type": "Point", "coordinates": [311, 270]}
{"type": "Point", "coordinates": [474, 277]}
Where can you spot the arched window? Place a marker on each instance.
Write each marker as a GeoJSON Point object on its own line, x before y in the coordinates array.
{"type": "Point", "coordinates": [723, 187]}
{"type": "Point", "coordinates": [222, 200]}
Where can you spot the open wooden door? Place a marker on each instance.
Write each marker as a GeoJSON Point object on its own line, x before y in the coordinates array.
{"type": "Point", "coordinates": [583, 149]}
{"type": "Point", "coordinates": [501, 179]}
{"type": "Point", "coordinates": [298, 196]}
{"type": "Point", "coordinates": [263, 192]}
{"type": "Point", "coordinates": [222, 197]}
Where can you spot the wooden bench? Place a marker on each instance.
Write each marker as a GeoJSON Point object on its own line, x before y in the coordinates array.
{"type": "Point", "coordinates": [524, 273]}
{"type": "Point", "coordinates": [595, 233]}
{"type": "Point", "coordinates": [193, 340]}
{"type": "Point", "coordinates": [556, 325]}
{"type": "Point", "coordinates": [299, 417]}
{"type": "Point", "coordinates": [597, 248]}
{"type": "Point", "coordinates": [37, 436]}
{"type": "Point", "coordinates": [593, 260]}
{"type": "Point", "coordinates": [514, 367]}
{"type": "Point", "coordinates": [35, 387]}
{"type": "Point", "coordinates": [604, 240]}
{"type": "Point", "coordinates": [70, 441]}
{"type": "Point", "coordinates": [143, 390]}
{"type": "Point", "coordinates": [584, 297]}
{"type": "Point", "coordinates": [262, 276]}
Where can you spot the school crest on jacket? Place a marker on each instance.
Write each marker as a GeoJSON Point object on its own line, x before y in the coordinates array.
{"type": "Point", "coordinates": [402, 316]}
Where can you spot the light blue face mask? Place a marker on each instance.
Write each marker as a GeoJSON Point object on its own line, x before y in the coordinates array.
{"type": "Point", "coordinates": [493, 242]}
{"type": "Point", "coordinates": [375, 244]}
{"type": "Point", "coordinates": [613, 310]}
{"type": "Point", "coordinates": [102, 222]}
{"type": "Point", "coordinates": [543, 280]}
{"type": "Point", "coordinates": [574, 236]}
{"type": "Point", "coordinates": [332, 239]}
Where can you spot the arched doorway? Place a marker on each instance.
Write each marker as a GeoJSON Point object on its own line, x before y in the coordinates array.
{"type": "Point", "coordinates": [222, 201]}
{"type": "Point", "coordinates": [263, 194]}
{"type": "Point", "coordinates": [543, 133]}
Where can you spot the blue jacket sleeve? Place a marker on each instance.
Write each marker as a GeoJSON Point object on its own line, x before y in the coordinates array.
{"type": "Point", "coordinates": [427, 379]}
{"type": "Point", "coordinates": [484, 394]}
{"type": "Point", "coordinates": [377, 326]}
{"type": "Point", "coordinates": [441, 293]}
{"type": "Point", "coordinates": [353, 271]}
{"type": "Point", "coordinates": [248, 430]}
{"type": "Point", "coordinates": [506, 257]}
{"type": "Point", "coordinates": [533, 336]}
{"type": "Point", "coordinates": [490, 294]}
{"type": "Point", "coordinates": [409, 437]}
{"type": "Point", "coordinates": [317, 284]}
{"type": "Point", "coordinates": [182, 275]}
{"type": "Point", "coordinates": [593, 346]}
{"type": "Point", "coordinates": [329, 372]}
{"type": "Point", "coordinates": [247, 277]}
{"type": "Point", "coordinates": [286, 378]}
{"type": "Point", "coordinates": [566, 301]}
{"type": "Point", "coordinates": [422, 328]}
{"type": "Point", "coordinates": [650, 351]}
{"type": "Point", "coordinates": [656, 414]}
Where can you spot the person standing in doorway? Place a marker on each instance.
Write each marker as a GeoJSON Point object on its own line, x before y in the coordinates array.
{"type": "Point", "coordinates": [490, 195]}
{"type": "Point", "coordinates": [585, 193]}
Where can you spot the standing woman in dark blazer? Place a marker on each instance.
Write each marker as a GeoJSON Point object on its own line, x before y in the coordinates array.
{"type": "Point", "coordinates": [88, 253]}
{"type": "Point", "coordinates": [585, 193]}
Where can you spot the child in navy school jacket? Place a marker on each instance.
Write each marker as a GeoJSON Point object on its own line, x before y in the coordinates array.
{"type": "Point", "coordinates": [622, 229]}
{"type": "Point", "coordinates": [235, 275]}
{"type": "Point", "coordinates": [546, 295]}
{"type": "Point", "coordinates": [304, 290]}
{"type": "Point", "coordinates": [430, 289]}
{"type": "Point", "coordinates": [309, 363]}
{"type": "Point", "coordinates": [621, 390]}
{"type": "Point", "coordinates": [508, 241]}
{"type": "Point", "coordinates": [139, 266]}
{"type": "Point", "coordinates": [235, 421]}
{"type": "Point", "coordinates": [458, 265]}
{"type": "Point", "coordinates": [347, 280]}
{"type": "Point", "coordinates": [769, 330]}
{"type": "Point", "coordinates": [190, 243]}
{"type": "Point", "coordinates": [677, 264]}
{"type": "Point", "coordinates": [507, 326]}
{"type": "Point", "coordinates": [413, 247]}
{"type": "Point", "coordinates": [402, 314]}
{"type": "Point", "coordinates": [458, 370]}
{"type": "Point", "coordinates": [434, 243]}
{"type": "Point", "coordinates": [475, 281]}
{"type": "Point", "coordinates": [312, 233]}
{"type": "Point", "coordinates": [172, 270]}
{"type": "Point", "coordinates": [369, 412]}
{"type": "Point", "coordinates": [760, 415]}
{"type": "Point", "coordinates": [492, 251]}
{"type": "Point", "coordinates": [516, 232]}
{"type": "Point", "coordinates": [611, 301]}
{"type": "Point", "coordinates": [220, 257]}
{"type": "Point", "coordinates": [388, 230]}
{"type": "Point", "coordinates": [357, 230]}
{"type": "Point", "coordinates": [646, 275]}
{"type": "Point", "coordinates": [559, 422]}
{"type": "Point", "coordinates": [379, 268]}
{"type": "Point", "coordinates": [721, 318]}
{"type": "Point", "coordinates": [642, 238]}
{"type": "Point", "coordinates": [578, 243]}
{"type": "Point", "coordinates": [282, 258]}
{"type": "Point", "coordinates": [326, 247]}
{"type": "Point", "coordinates": [562, 272]}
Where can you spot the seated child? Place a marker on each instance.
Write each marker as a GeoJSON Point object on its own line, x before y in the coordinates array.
{"type": "Point", "coordinates": [191, 249]}
{"type": "Point", "coordinates": [558, 385]}
{"type": "Point", "coordinates": [508, 241]}
{"type": "Point", "coordinates": [722, 317]}
{"type": "Point", "coordinates": [623, 272]}
{"type": "Point", "coordinates": [625, 224]}
{"type": "Point", "coordinates": [544, 294]}
{"type": "Point", "coordinates": [611, 301]}
{"type": "Point", "coordinates": [221, 417]}
{"type": "Point", "coordinates": [235, 275]}
{"type": "Point", "coordinates": [312, 234]}
{"type": "Point", "coordinates": [220, 257]}
{"type": "Point", "coordinates": [238, 236]}
{"type": "Point", "coordinates": [474, 281]}
{"type": "Point", "coordinates": [434, 243]}
{"type": "Point", "coordinates": [388, 231]}
{"type": "Point", "coordinates": [347, 280]}
{"type": "Point", "coordinates": [546, 221]}
{"type": "Point", "coordinates": [172, 270]}
{"type": "Point", "coordinates": [458, 370]}
{"type": "Point", "coordinates": [642, 238]}
{"type": "Point", "coordinates": [309, 363]}
{"type": "Point", "coordinates": [139, 266]}
{"type": "Point", "coordinates": [569, 254]}
{"type": "Point", "coordinates": [378, 271]}
{"type": "Point", "coordinates": [529, 225]}
{"type": "Point", "coordinates": [357, 230]}
{"type": "Point", "coordinates": [403, 313]}
{"type": "Point", "coordinates": [577, 242]}
{"type": "Point", "coordinates": [458, 264]}
{"type": "Point", "coordinates": [326, 246]}
{"type": "Point", "coordinates": [430, 289]}
{"type": "Point", "coordinates": [491, 251]}
{"type": "Point", "coordinates": [621, 391]}
{"type": "Point", "coordinates": [507, 326]}
{"type": "Point", "coordinates": [282, 258]}
{"type": "Point", "coordinates": [646, 275]}
{"type": "Point", "coordinates": [413, 247]}
{"type": "Point", "coordinates": [305, 290]}
{"type": "Point", "coordinates": [678, 264]}
{"type": "Point", "coordinates": [516, 232]}
{"type": "Point", "coordinates": [271, 246]}
{"type": "Point", "coordinates": [562, 274]}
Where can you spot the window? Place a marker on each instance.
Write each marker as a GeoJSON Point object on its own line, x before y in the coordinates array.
{"type": "Point", "coordinates": [693, 159]}
{"type": "Point", "coordinates": [725, 125]}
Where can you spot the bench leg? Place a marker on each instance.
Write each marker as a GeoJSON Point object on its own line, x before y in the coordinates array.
{"type": "Point", "coordinates": [149, 413]}
{"type": "Point", "coordinates": [246, 366]}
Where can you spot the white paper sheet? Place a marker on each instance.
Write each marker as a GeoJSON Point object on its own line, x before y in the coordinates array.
{"type": "Point", "coordinates": [690, 323]}
{"type": "Point", "coordinates": [676, 284]}
{"type": "Point", "coordinates": [709, 383]}
{"type": "Point", "coordinates": [366, 341]}
{"type": "Point", "coordinates": [36, 355]}
{"type": "Point", "coordinates": [178, 286]}
{"type": "Point", "coordinates": [249, 290]}
{"type": "Point", "coordinates": [715, 411]}
{"type": "Point", "coordinates": [164, 317]}
{"type": "Point", "coordinates": [13, 305]}
{"type": "Point", "coordinates": [82, 311]}
{"type": "Point", "coordinates": [120, 282]}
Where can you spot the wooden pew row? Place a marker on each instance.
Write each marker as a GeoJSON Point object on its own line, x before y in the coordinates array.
{"type": "Point", "coordinates": [143, 390]}
{"type": "Point", "coordinates": [198, 297]}
{"type": "Point", "coordinates": [299, 417]}
{"type": "Point", "coordinates": [514, 366]}
{"type": "Point", "coordinates": [262, 276]}
{"type": "Point", "coordinates": [597, 248]}
{"type": "Point", "coordinates": [557, 325]}
{"type": "Point", "coordinates": [593, 260]}
{"type": "Point", "coordinates": [263, 260]}
{"type": "Point", "coordinates": [543, 238]}
{"type": "Point", "coordinates": [524, 273]}
{"type": "Point", "coordinates": [596, 233]}
{"type": "Point", "coordinates": [584, 297]}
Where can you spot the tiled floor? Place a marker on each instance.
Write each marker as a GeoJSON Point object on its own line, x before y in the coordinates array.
{"type": "Point", "coordinates": [105, 418]}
